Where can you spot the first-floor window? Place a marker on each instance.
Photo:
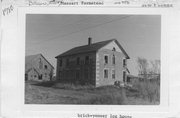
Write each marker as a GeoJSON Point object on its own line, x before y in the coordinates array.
{"type": "Point", "coordinates": [86, 73]}
{"type": "Point", "coordinates": [60, 73]}
{"type": "Point", "coordinates": [40, 77]}
{"type": "Point", "coordinates": [77, 74]}
{"type": "Point", "coordinates": [124, 76]}
{"type": "Point", "coordinates": [113, 74]}
{"type": "Point", "coordinates": [105, 73]}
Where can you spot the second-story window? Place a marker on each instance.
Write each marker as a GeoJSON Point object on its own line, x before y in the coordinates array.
{"type": "Point", "coordinates": [45, 66]}
{"type": "Point", "coordinates": [40, 64]}
{"type": "Point", "coordinates": [113, 59]}
{"type": "Point", "coordinates": [78, 61]}
{"type": "Point", "coordinates": [67, 62]}
{"type": "Point", "coordinates": [60, 62]}
{"type": "Point", "coordinates": [106, 59]}
{"type": "Point", "coordinates": [87, 60]}
{"type": "Point", "coordinates": [124, 63]}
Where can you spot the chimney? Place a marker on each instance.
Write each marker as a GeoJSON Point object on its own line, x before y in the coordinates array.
{"type": "Point", "coordinates": [89, 41]}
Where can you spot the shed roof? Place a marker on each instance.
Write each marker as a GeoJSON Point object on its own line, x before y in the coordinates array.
{"type": "Point", "coordinates": [91, 48]}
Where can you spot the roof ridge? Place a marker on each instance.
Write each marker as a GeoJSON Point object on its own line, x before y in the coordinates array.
{"type": "Point", "coordinates": [94, 43]}
{"type": "Point", "coordinates": [86, 48]}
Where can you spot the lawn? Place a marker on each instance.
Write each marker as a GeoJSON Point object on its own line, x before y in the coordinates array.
{"type": "Point", "coordinates": [57, 93]}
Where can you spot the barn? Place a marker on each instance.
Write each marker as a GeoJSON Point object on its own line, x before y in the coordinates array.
{"type": "Point", "coordinates": [37, 68]}
{"type": "Point", "coordinates": [98, 64]}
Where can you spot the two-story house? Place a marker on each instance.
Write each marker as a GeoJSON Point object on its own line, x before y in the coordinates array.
{"type": "Point", "coordinates": [98, 64]}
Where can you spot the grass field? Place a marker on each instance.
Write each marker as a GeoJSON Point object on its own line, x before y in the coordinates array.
{"type": "Point", "coordinates": [57, 93]}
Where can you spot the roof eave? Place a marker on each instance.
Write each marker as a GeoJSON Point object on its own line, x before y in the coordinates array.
{"type": "Point", "coordinates": [47, 61]}
{"type": "Point", "coordinates": [74, 54]}
{"type": "Point", "coordinates": [127, 56]}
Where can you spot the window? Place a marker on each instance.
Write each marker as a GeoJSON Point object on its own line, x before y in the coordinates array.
{"type": "Point", "coordinates": [40, 77]}
{"type": "Point", "coordinates": [78, 61]}
{"type": "Point", "coordinates": [60, 74]}
{"type": "Point", "coordinates": [45, 66]}
{"type": "Point", "coordinates": [105, 73]}
{"type": "Point", "coordinates": [60, 62]}
{"type": "Point", "coordinates": [87, 60]}
{"type": "Point", "coordinates": [67, 62]}
{"type": "Point", "coordinates": [113, 74]}
{"type": "Point", "coordinates": [113, 59]}
{"type": "Point", "coordinates": [77, 75]}
{"type": "Point", "coordinates": [86, 72]}
{"type": "Point", "coordinates": [124, 63]}
{"type": "Point", "coordinates": [106, 59]}
{"type": "Point", "coordinates": [124, 76]}
{"type": "Point", "coordinates": [40, 64]}
{"type": "Point", "coordinates": [114, 49]}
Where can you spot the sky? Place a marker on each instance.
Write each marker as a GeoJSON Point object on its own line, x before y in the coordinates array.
{"type": "Point", "coordinates": [53, 34]}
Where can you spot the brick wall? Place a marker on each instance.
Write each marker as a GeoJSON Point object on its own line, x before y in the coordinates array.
{"type": "Point", "coordinates": [83, 73]}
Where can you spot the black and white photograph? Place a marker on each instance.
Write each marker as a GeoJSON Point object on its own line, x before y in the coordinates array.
{"type": "Point", "coordinates": [92, 59]}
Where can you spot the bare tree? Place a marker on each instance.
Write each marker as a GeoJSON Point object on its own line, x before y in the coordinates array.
{"type": "Point", "coordinates": [148, 69]}
{"type": "Point", "coordinates": [142, 66]}
{"type": "Point", "coordinates": [155, 69]}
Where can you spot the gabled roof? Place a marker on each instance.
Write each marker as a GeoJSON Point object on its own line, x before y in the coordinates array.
{"type": "Point", "coordinates": [29, 58]}
{"type": "Point", "coordinates": [91, 48]}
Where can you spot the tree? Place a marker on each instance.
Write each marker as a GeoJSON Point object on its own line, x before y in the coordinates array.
{"type": "Point", "coordinates": [148, 69]}
{"type": "Point", "coordinates": [155, 69]}
{"type": "Point", "coordinates": [142, 66]}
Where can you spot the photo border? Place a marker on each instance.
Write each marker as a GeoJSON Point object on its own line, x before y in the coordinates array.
{"type": "Point", "coordinates": [55, 110]}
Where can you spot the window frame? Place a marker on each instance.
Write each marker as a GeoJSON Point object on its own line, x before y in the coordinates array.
{"type": "Point", "coordinates": [107, 58]}
{"type": "Point", "coordinates": [113, 59]}
{"type": "Point", "coordinates": [40, 63]}
{"type": "Point", "coordinates": [104, 73]}
{"type": "Point", "coordinates": [67, 62]}
{"type": "Point", "coordinates": [45, 67]}
{"type": "Point", "coordinates": [124, 62]}
{"type": "Point", "coordinates": [60, 74]}
{"type": "Point", "coordinates": [114, 49]}
{"type": "Point", "coordinates": [87, 61]}
{"type": "Point", "coordinates": [78, 61]}
{"type": "Point", "coordinates": [60, 62]}
{"type": "Point", "coordinates": [124, 75]}
{"type": "Point", "coordinates": [114, 74]}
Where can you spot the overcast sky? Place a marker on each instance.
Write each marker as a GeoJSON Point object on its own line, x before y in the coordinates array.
{"type": "Point", "coordinates": [51, 35]}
